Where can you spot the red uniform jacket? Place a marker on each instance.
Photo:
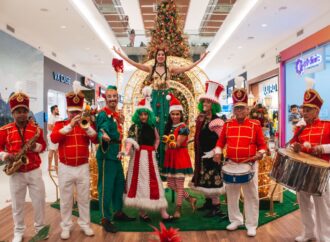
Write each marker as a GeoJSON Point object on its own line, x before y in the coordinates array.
{"type": "Point", "coordinates": [73, 146]}
{"type": "Point", "coordinates": [11, 142]}
{"type": "Point", "coordinates": [317, 133]}
{"type": "Point", "coordinates": [242, 140]}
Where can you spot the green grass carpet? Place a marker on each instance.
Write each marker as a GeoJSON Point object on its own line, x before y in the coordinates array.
{"type": "Point", "coordinates": [191, 221]}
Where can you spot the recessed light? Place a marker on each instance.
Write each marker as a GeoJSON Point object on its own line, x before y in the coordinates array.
{"type": "Point", "coordinates": [282, 8]}
{"type": "Point", "coordinates": [63, 27]}
{"type": "Point", "coordinates": [43, 9]}
{"type": "Point", "coordinates": [87, 48]}
{"type": "Point", "coordinates": [264, 25]}
{"type": "Point", "coordinates": [251, 37]}
{"type": "Point", "coordinates": [240, 47]}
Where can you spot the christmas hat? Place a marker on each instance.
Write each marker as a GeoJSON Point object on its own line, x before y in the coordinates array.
{"type": "Point", "coordinates": [175, 104]}
{"type": "Point", "coordinates": [75, 99]}
{"type": "Point", "coordinates": [18, 100]}
{"type": "Point", "coordinates": [311, 97]}
{"type": "Point", "coordinates": [145, 102]}
{"type": "Point", "coordinates": [213, 91]}
{"type": "Point", "coordinates": [240, 96]}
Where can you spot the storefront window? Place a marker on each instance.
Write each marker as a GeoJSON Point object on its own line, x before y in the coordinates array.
{"type": "Point", "coordinates": [56, 98]}
{"type": "Point", "coordinates": [296, 86]}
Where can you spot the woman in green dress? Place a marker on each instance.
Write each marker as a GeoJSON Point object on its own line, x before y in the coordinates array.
{"type": "Point", "coordinates": [160, 73]}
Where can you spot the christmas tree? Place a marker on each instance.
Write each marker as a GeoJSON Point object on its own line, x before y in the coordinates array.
{"type": "Point", "coordinates": [168, 32]}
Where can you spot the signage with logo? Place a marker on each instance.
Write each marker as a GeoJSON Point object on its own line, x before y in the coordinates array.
{"type": "Point", "coordinates": [311, 62]}
{"type": "Point", "coordinates": [61, 78]}
{"type": "Point", "coordinates": [269, 87]}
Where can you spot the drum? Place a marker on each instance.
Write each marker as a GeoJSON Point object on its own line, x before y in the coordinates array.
{"type": "Point", "coordinates": [236, 173]}
{"type": "Point", "coordinates": [300, 171]}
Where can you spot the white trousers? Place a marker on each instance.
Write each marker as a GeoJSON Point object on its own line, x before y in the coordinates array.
{"type": "Point", "coordinates": [251, 201]}
{"type": "Point", "coordinates": [68, 177]}
{"type": "Point", "coordinates": [19, 182]}
{"type": "Point", "coordinates": [315, 214]}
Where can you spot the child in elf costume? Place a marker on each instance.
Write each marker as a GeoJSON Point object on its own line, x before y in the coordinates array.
{"type": "Point", "coordinates": [144, 186]}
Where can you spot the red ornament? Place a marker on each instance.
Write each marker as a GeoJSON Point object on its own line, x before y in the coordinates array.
{"type": "Point", "coordinates": [158, 105]}
{"type": "Point", "coordinates": [118, 65]}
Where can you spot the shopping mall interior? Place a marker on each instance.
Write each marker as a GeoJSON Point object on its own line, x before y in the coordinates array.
{"type": "Point", "coordinates": [275, 48]}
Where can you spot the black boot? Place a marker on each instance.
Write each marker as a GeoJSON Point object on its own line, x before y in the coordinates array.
{"type": "Point", "coordinates": [207, 205]}
{"type": "Point", "coordinates": [216, 211]}
{"type": "Point", "coordinates": [109, 226]}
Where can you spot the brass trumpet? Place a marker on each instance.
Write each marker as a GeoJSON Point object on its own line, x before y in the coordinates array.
{"type": "Point", "coordinates": [85, 121]}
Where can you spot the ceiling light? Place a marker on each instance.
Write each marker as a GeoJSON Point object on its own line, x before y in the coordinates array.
{"type": "Point", "coordinates": [264, 25]}
{"type": "Point", "coordinates": [282, 8]}
{"type": "Point", "coordinates": [240, 47]}
{"type": "Point", "coordinates": [63, 27]}
{"type": "Point", "coordinates": [227, 30]}
{"type": "Point", "coordinates": [251, 37]}
{"type": "Point", "coordinates": [43, 9]}
{"type": "Point", "coordinates": [87, 48]}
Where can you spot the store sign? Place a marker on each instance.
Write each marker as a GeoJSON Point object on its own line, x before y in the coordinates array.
{"type": "Point", "coordinates": [311, 62]}
{"type": "Point", "coordinates": [61, 78]}
{"type": "Point", "coordinates": [269, 88]}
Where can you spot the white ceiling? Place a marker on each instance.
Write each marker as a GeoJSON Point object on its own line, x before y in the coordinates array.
{"type": "Point", "coordinates": [78, 44]}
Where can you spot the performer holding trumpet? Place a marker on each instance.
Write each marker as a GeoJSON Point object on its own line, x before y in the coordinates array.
{"type": "Point", "coordinates": [73, 137]}
{"type": "Point", "coordinates": [20, 144]}
{"type": "Point", "coordinates": [314, 138]}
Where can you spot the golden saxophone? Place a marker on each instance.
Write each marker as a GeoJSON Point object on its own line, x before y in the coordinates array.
{"type": "Point", "coordinates": [20, 158]}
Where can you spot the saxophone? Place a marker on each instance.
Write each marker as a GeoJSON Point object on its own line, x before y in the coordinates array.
{"type": "Point", "coordinates": [20, 158]}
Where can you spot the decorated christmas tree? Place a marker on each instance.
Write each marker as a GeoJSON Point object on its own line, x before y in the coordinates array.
{"type": "Point", "coordinates": [168, 32]}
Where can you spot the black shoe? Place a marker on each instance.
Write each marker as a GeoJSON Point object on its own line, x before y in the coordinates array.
{"type": "Point", "coordinates": [121, 216]}
{"type": "Point", "coordinates": [108, 226]}
{"type": "Point", "coordinates": [145, 218]}
{"type": "Point", "coordinates": [215, 212]}
{"type": "Point", "coordinates": [206, 206]}
{"type": "Point", "coordinates": [169, 219]}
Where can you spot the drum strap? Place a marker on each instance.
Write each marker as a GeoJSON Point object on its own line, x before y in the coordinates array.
{"type": "Point", "coordinates": [296, 135]}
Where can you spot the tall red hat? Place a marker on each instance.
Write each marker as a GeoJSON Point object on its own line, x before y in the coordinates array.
{"type": "Point", "coordinates": [18, 100]}
{"type": "Point", "coordinates": [175, 104]}
{"type": "Point", "coordinates": [239, 95]}
{"type": "Point", "coordinates": [213, 91]}
{"type": "Point", "coordinates": [75, 99]}
{"type": "Point", "coordinates": [311, 97]}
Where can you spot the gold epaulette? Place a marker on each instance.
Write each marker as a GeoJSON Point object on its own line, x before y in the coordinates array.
{"type": "Point", "coordinates": [255, 121]}
{"type": "Point", "coordinates": [7, 126]}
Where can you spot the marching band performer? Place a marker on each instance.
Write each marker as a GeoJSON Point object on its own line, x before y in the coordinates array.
{"type": "Point", "coordinates": [244, 141]}
{"type": "Point", "coordinates": [14, 137]}
{"type": "Point", "coordinates": [73, 168]}
{"type": "Point", "coordinates": [315, 140]}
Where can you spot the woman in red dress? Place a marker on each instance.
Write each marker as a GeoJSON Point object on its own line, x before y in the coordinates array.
{"type": "Point", "coordinates": [177, 164]}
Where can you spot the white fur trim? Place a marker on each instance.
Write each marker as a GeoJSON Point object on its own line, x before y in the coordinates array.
{"type": "Point", "coordinates": [37, 148]}
{"type": "Point", "coordinates": [145, 106]}
{"type": "Point", "coordinates": [175, 108]}
{"type": "Point", "coordinates": [217, 150]}
{"type": "Point", "coordinates": [3, 155]}
{"type": "Point", "coordinates": [90, 132]}
{"type": "Point", "coordinates": [208, 97]}
{"type": "Point", "coordinates": [168, 97]}
{"type": "Point", "coordinates": [207, 191]}
{"type": "Point", "coordinates": [146, 91]}
{"type": "Point", "coordinates": [133, 142]}
{"type": "Point", "coordinates": [326, 148]}
{"type": "Point", "coordinates": [66, 129]}
{"type": "Point", "coordinates": [145, 203]}
{"type": "Point", "coordinates": [177, 175]}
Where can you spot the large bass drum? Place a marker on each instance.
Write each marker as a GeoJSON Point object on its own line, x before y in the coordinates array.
{"type": "Point", "coordinates": [300, 171]}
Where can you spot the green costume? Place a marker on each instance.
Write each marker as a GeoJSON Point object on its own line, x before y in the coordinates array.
{"type": "Point", "coordinates": [160, 107]}
{"type": "Point", "coordinates": [111, 181]}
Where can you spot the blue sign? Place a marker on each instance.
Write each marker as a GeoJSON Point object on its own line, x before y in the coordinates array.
{"type": "Point", "coordinates": [310, 63]}
{"type": "Point", "coordinates": [270, 88]}
{"type": "Point", "coordinates": [61, 78]}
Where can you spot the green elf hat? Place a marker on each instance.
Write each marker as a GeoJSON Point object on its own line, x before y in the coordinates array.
{"type": "Point", "coordinates": [111, 87]}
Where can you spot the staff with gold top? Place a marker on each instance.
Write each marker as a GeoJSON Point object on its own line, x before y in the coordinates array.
{"type": "Point", "coordinates": [15, 137]}
{"type": "Point", "coordinates": [315, 140]}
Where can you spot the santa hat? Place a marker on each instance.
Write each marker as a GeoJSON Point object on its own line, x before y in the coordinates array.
{"type": "Point", "coordinates": [75, 99]}
{"type": "Point", "coordinates": [145, 102]}
{"type": "Point", "coordinates": [311, 97]}
{"type": "Point", "coordinates": [175, 104]}
{"type": "Point", "coordinates": [18, 100]}
{"type": "Point", "coordinates": [213, 91]}
{"type": "Point", "coordinates": [239, 95]}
